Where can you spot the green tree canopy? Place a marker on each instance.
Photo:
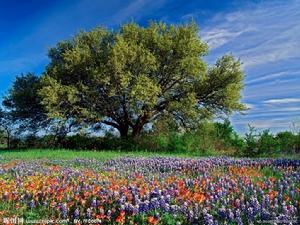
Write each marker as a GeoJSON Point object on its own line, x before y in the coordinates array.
{"type": "Point", "coordinates": [132, 76]}
{"type": "Point", "coordinates": [23, 103]}
{"type": "Point", "coordinates": [7, 127]}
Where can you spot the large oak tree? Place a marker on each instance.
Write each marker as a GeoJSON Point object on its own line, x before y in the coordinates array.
{"type": "Point", "coordinates": [132, 76]}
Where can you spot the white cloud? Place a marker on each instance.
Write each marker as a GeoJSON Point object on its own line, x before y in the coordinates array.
{"type": "Point", "coordinates": [274, 125]}
{"type": "Point", "coordinates": [273, 76]}
{"type": "Point", "coordinates": [263, 33]}
{"type": "Point", "coordinates": [283, 101]}
{"type": "Point", "coordinates": [270, 124]}
{"type": "Point", "coordinates": [264, 124]}
{"type": "Point", "coordinates": [220, 36]}
{"type": "Point", "coordinates": [134, 9]}
{"type": "Point", "coordinates": [249, 106]}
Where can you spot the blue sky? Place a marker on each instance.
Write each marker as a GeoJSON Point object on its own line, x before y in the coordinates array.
{"type": "Point", "coordinates": [265, 35]}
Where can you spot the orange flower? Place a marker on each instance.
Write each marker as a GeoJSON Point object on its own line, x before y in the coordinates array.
{"type": "Point", "coordinates": [121, 218]}
{"type": "Point", "coordinates": [52, 204]}
{"type": "Point", "coordinates": [199, 197]}
{"type": "Point", "coordinates": [273, 194]}
{"type": "Point", "coordinates": [272, 179]}
{"type": "Point", "coordinates": [261, 184]}
{"type": "Point", "coordinates": [152, 220]}
{"type": "Point", "coordinates": [100, 216]}
{"type": "Point", "coordinates": [287, 198]}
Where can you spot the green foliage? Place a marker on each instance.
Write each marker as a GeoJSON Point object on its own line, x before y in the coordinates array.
{"type": "Point", "coordinates": [226, 134]}
{"type": "Point", "coordinates": [269, 172]}
{"type": "Point", "coordinates": [251, 143]}
{"type": "Point", "coordinates": [2, 139]}
{"type": "Point", "coordinates": [7, 127]}
{"type": "Point", "coordinates": [24, 104]}
{"type": "Point", "coordinates": [209, 138]}
{"type": "Point", "coordinates": [287, 141]}
{"type": "Point", "coordinates": [267, 143]}
{"type": "Point", "coordinates": [205, 139]}
{"type": "Point", "coordinates": [130, 77]}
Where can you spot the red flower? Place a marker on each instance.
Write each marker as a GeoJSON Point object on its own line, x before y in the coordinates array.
{"type": "Point", "coordinates": [152, 220]}
{"type": "Point", "coordinates": [121, 218]}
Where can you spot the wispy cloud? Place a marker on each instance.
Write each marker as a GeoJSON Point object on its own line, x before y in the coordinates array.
{"type": "Point", "coordinates": [273, 124]}
{"type": "Point", "coordinates": [270, 123]}
{"type": "Point", "coordinates": [264, 124]}
{"type": "Point", "coordinates": [269, 114]}
{"type": "Point", "coordinates": [137, 9]}
{"type": "Point", "coordinates": [273, 76]}
{"type": "Point", "coordinates": [249, 105]}
{"type": "Point", "coordinates": [283, 101]}
{"type": "Point", "coordinates": [220, 36]}
{"type": "Point", "coordinates": [259, 34]}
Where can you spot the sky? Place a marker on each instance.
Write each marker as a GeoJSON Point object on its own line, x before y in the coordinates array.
{"type": "Point", "coordinates": [264, 35]}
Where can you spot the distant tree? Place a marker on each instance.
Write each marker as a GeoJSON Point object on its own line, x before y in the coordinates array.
{"type": "Point", "coordinates": [2, 138]}
{"type": "Point", "coordinates": [225, 132]}
{"type": "Point", "coordinates": [286, 141]}
{"type": "Point", "coordinates": [7, 127]}
{"type": "Point", "coordinates": [267, 143]}
{"type": "Point", "coordinates": [297, 143]}
{"type": "Point", "coordinates": [131, 77]}
{"type": "Point", "coordinates": [24, 104]}
{"type": "Point", "coordinates": [295, 126]}
{"type": "Point", "coordinates": [24, 108]}
{"type": "Point", "coordinates": [251, 148]}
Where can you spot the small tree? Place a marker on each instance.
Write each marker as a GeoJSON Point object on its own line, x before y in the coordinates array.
{"type": "Point", "coordinates": [287, 141]}
{"type": "Point", "coordinates": [2, 138]}
{"type": "Point", "coordinates": [251, 142]}
{"type": "Point", "coordinates": [23, 104]}
{"type": "Point", "coordinates": [267, 143]}
{"type": "Point", "coordinates": [7, 127]}
{"type": "Point", "coordinates": [227, 136]}
{"type": "Point", "coordinates": [24, 108]}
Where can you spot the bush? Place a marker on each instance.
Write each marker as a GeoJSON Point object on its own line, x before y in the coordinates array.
{"type": "Point", "coordinates": [250, 149]}
{"type": "Point", "coordinates": [267, 143]}
{"type": "Point", "coordinates": [287, 142]}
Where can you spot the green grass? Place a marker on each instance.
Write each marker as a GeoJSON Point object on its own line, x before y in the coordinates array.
{"type": "Point", "coordinates": [73, 154]}
{"type": "Point", "coordinates": [280, 156]}
{"type": "Point", "coordinates": [269, 172]}
{"type": "Point", "coordinates": [32, 154]}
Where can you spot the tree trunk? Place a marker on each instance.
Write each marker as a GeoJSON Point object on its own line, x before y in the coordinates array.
{"type": "Point", "coordinates": [123, 130]}
{"type": "Point", "coordinates": [137, 129]}
{"type": "Point", "coordinates": [8, 141]}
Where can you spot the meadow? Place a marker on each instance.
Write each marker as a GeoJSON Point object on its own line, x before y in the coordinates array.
{"type": "Point", "coordinates": [88, 187]}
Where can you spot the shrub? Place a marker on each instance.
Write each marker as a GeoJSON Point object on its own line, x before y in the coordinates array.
{"type": "Point", "coordinates": [287, 141]}
{"type": "Point", "coordinates": [267, 143]}
{"type": "Point", "coordinates": [250, 149]}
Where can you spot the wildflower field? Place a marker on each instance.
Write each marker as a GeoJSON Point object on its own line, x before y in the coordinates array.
{"type": "Point", "coordinates": [151, 190]}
